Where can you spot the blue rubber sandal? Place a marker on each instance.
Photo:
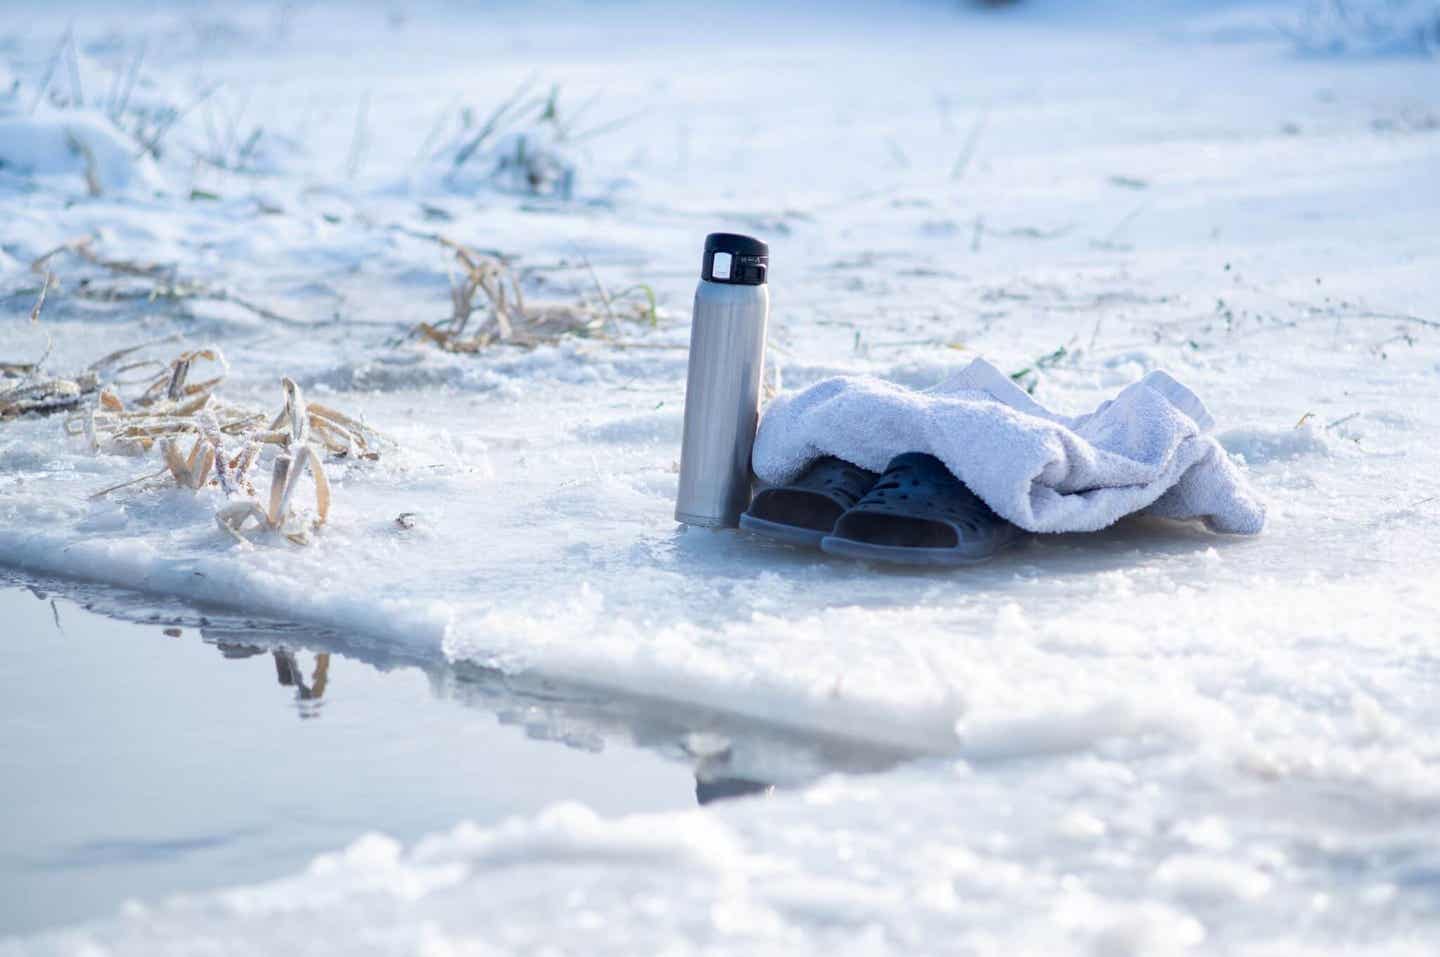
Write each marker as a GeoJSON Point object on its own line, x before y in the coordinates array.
{"type": "Point", "coordinates": [805, 511]}
{"type": "Point", "coordinates": [919, 514]}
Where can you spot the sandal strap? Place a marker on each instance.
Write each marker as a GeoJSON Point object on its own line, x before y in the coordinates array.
{"type": "Point", "coordinates": [835, 479]}
{"type": "Point", "coordinates": [919, 485]}
{"type": "Point", "coordinates": [827, 489]}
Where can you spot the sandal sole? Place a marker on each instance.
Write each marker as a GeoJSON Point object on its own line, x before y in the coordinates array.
{"type": "Point", "coordinates": [903, 555]}
{"type": "Point", "coordinates": [780, 532]}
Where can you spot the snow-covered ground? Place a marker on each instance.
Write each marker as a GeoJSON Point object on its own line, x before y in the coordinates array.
{"type": "Point", "coordinates": [1140, 741]}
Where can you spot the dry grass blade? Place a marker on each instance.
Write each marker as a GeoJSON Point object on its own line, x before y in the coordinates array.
{"type": "Point", "coordinates": [26, 370]}
{"type": "Point", "coordinates": [280, 486]}
{"type": "Point", "coordinates": [171, 409]}
{"type": "Point", "coordinates": [33, 395]}
{"type": "Point", "coordinates": [165, 281]}
{"type": "Point", "coordinates": [85, 249]}
{"type": "Point", "coordinates": [54, 63]}
{"type": "Point", "coordinates": [604, 296]}
{"type": "Point", "coordinates": [489, 282]}
{"type": "Point", "coordinates": [492, 123]}
{"type": "Point", "coordinates": [151, 144]}
{"type": "Point", "coordinates": [609, 126]}
{"type": "Point", "coordinates": [967, 152]}
{"type": "Point", "coordinates": [92, 168]}
{"type": "Point", "coordinates": [122, 97]}
{"type": "Point", "coordinates": [40, 302]}
{"type": "Point", "coordinates": [42, 397]}
{"type": "Point", "coordinates": [108, 360]}
{"type": "Point", "coordinates": [42, 261]}
{"type": "Point", "coordinates": [127, 484]}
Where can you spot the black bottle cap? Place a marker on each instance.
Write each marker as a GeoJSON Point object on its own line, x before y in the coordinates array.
{"type": "Point", "coordinates": [742, 261]}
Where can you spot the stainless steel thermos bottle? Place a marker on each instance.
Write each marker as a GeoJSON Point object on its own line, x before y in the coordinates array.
{"type": "Point", "coordinates": [722, 390]}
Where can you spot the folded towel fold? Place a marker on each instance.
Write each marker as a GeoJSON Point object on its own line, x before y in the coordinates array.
{"type": "Point", "coordinates": [1146, 450]}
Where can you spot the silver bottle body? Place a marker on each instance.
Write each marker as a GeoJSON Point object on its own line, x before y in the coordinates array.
{"type": "Point", "coordinates": [722, 402]}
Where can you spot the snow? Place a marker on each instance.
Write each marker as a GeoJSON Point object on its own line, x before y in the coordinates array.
{"type": "Point", "coordinates": [65, 144]}
{"type": "Point", "coordinates": [1133, 742]}
{"type": "Point", "coordinates": [891, 866]}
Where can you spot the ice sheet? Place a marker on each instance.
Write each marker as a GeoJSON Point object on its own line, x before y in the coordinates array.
{"type": "Point", "coordinates": [934, 184]}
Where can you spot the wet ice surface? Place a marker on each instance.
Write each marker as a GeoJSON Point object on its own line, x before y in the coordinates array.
{"type": "Point", "coordinates": [151, 748]}
{"type": "Point", "coordinates": [1143, 739]}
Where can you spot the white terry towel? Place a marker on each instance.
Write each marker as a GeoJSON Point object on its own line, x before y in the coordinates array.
{"type": "Point", "coordinates": [1146, 450]}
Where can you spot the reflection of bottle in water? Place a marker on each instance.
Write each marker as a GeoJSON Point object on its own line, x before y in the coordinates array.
{"type": "Point", "coordinates": [722, 390]}
{"type": "Point", "coordinates": [710, 790]}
